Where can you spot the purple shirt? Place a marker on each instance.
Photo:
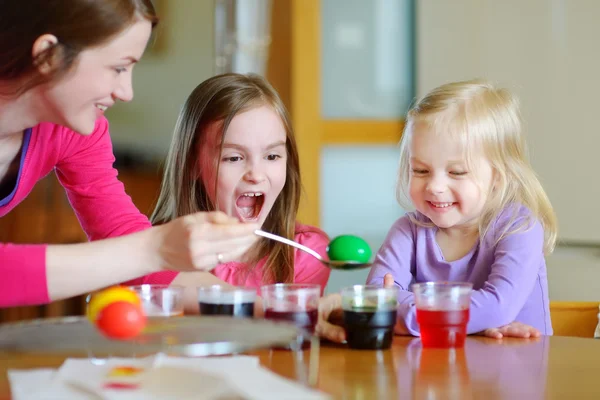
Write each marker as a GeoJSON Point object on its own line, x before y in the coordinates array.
{"type": "Point", "coordinates": [508, 276]}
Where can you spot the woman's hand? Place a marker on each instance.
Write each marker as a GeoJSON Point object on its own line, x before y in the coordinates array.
{"type": "Point", "coordinates": [195, 242]}
{"type": "Point", "coordinates": [514, 329]}
{"type": "Point", "coordinates": [201, 241]}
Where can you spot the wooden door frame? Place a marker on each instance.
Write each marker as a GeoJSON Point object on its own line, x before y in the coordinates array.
{"type": "Point", "coordinates": [312, 131]}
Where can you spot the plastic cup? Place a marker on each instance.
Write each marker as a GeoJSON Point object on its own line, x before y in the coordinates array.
{"type": "Point", "coordinates": [369, 316]}
{"type": "Point", "coordinates": [222, 300]}
{"type": "Point", "coordinates": [443, 312]}
{"type": "Point", "coordinates": [161, 300]}
{"type": "Point", "coordinates": [297, 303]}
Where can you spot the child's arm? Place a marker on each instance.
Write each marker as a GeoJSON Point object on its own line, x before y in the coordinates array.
{"type": "Point", "coordinates": [513, 274]}
{"type": "Point", "coordinates": [397, 258]}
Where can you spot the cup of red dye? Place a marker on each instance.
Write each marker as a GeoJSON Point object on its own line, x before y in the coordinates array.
{"type": "Point", "coordinates": [442, 312]}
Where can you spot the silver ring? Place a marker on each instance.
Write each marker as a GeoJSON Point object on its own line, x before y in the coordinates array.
{"type": "Point", "coordinates": [220, 258]}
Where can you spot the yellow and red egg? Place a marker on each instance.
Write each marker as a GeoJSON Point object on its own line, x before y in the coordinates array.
{"type": "Point", "coordinates": [117, 313]}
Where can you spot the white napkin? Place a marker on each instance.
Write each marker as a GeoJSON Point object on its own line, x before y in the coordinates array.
{"type": "Point", "coordinates": [157, 377]}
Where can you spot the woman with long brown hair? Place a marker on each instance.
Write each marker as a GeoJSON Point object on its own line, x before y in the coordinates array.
{"type": "Point", "coordinates": [62, 64]}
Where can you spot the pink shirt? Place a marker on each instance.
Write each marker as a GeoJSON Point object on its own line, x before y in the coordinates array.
{"type": "Point", "coordinates": [84, 167]}
{"type": "Point", "coordinates": [307, 269]}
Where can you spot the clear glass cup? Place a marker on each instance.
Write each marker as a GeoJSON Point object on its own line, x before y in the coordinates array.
{"type": "Point", "coordinates": [442, 312]}
{"type": "Point", "coordinates": [161, 300]}
{"type": "Point", "coordinates": [297, 303]}
{"type": "Point", "coordinates": [223, 300]}
{"type": "Point", "coordinates": [369, 316]}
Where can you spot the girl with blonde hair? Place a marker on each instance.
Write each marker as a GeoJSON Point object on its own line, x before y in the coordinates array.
{"type": "Point", "coordinates": [480, 214]}
{"type": "Point", "coordinates": [234, 151]}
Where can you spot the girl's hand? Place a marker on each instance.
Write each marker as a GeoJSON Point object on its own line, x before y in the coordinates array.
{"type": "Point", "coordinates": [400, 328]}
{"type": "Point", "coordinates": [200, 241]}
{"type": "Point", "coordinates": [329, 325]}
{"type": "Point", "coordinates": [514, 329]}
{"type": "Point", "coordinates": [388, 280]}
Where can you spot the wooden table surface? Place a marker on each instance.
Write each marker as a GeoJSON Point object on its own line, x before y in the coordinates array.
{"type": "Point", "coordinates": [545, 368]}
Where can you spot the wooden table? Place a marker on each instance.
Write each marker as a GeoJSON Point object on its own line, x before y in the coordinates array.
{"type": "Point", "coordinates": [546, 368]}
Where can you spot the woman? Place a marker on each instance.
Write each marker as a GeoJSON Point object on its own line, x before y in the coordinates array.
{"type": "Point", "coordinates": [62, 64]}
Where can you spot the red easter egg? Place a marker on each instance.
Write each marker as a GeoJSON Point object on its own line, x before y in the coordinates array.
{"type": "Point", "coordinates": [121, 320]}
{"type": "Point", "coordinates": [103, 298]}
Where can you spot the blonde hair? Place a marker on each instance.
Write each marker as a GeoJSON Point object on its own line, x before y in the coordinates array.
{"type": "Point", "coordinates": [486, 120]}
{"type": "Point", "coordinates": [217, 101]}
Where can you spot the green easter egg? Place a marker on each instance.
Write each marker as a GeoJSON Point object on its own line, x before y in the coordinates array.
{"type": "Point", "coordinates": [349, 248]}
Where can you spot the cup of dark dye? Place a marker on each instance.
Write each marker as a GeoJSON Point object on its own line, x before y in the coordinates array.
{"type": "Point", "coordinates": [236, 302]}
{"type": "Point", "coordinates": [369, 316]}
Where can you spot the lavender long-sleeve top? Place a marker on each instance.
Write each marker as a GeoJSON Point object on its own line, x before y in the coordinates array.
{"type": "Point", "coordinates": [508, 276]}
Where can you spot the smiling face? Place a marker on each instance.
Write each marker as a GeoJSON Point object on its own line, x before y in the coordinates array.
{"type": "Point", "coordinates": [100, 76]}
{"type": "Point", "coordinates": [441, 185]}
{"type": "Point", "coordinates": [252, 164]}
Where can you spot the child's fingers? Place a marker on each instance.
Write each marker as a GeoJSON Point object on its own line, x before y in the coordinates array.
{"type": "Point", "coordinates": [329, 309]}
{"type": "Point", "coordinates": [536, 333]}
{"type": "Point", "coordinates": [515, 331]}
{"type": "Point", "coordinates": [520, 330]}
{"type": "Point", "coordinates": [533, 332]}
{"type": "Point", "coordinates": [388, 280]}
{"type": "Point", "coordinates": [400, 328]}
{"type": "Point", "coordinates": [493, 333]}
{"type": "Point", "coordinates": [331, 332]}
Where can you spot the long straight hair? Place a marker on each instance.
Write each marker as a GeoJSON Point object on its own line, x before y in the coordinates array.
{"type": "Point", "coordinates": [217, 101]}
{"type": "Point", "coordinates": [486, 121]}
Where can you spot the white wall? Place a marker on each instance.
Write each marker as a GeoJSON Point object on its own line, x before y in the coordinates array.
{"type": "Point", "coordinates": [358, 197]}
{"type": "Point", "coordinates": [163, 80]}
{"type": "Point", "coordinates": [366, 72]}
{"type": "Point", "coordinates": [546, 52]}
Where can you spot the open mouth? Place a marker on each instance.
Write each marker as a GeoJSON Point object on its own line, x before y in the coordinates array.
{"type": "Point", "coordinates": [249, 205]}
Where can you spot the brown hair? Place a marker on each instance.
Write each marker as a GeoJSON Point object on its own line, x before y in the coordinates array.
{"type": "Point", "coordinates": [218, 100]}
{"type": "Point", "coordinates": [77, 24]}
